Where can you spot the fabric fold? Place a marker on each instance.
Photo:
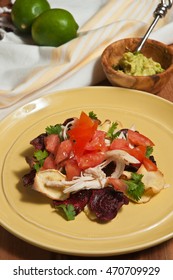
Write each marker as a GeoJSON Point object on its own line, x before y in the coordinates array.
{"type": "Point", "coordinates": [30, 71]}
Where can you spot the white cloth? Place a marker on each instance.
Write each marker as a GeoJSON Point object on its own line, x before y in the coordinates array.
{"type": "Point", "coordinates": [28, 71]}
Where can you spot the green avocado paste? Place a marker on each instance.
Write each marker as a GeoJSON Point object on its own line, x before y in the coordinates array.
{"type": "Point", "coordinates": [136, 64]}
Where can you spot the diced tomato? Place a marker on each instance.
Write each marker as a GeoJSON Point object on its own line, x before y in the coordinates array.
{"type": "Point", "coordinates": [82, 133]}
{"type": "Point", "coordinates": [64, 151]}
{"type": "Point", "coordinates": [118, 184]}
{"type": "Point", "coordinates": [52, 142]}
{"type": "Point", "coordinates": [119, 144]}
{"type": "Point", "coordinates": [72, 169]}
{"type": "Point", "coordinates": [90, 159]}
{"type": "Point", "coordinates": [137, 139]}
{"type": "Point", "coordinates": [149, 165]}
{"type": "Point", "coordinates": [97, 143]}
{"type": "Point", "coordinates": [138, 152]}
{"type": "Point", "coordinates": [49, 163]}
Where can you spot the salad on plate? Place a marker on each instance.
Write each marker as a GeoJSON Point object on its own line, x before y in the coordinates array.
{"type": "Point", "coordinates": [84, 164]}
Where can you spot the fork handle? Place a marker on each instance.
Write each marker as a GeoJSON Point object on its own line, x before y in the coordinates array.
{"type": "Point", "coordinates": [160, 12]}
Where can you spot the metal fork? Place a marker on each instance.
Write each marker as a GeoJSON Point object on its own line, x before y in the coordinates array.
{"type": "Point", "coordinates": [160, 12]}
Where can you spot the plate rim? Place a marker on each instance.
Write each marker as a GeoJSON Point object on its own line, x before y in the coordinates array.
{"type": "Point", "coordinates": [125, 251]}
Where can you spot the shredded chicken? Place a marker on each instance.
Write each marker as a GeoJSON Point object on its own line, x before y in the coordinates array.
{"type": "Point", "coordinates": [95, 177]}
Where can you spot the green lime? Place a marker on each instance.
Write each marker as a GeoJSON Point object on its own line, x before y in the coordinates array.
{"type": "Point", "coordinates": [25, 11]}
{"type": "Point", "coordinates": [54, 28]}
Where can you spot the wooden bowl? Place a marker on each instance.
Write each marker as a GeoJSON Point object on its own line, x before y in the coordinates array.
{"type": "Point", "coordinates": [158, 51]}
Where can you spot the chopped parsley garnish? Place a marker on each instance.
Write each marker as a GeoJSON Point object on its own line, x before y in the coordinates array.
{"type": "Point", "coordinates": [149, 151]}
{"type": "Point", "coordinates": [40, 157]}
{"type": "Point", "coordinates": [135, 186]}
{"type": "Point", "coordinates": [111, 132]}
{"type": "Point", "coordinates": [92, 115]}
{"type": "Point", "coordinates": [68, 209]}
{"type": "Point", "coordinates": [54, 129]}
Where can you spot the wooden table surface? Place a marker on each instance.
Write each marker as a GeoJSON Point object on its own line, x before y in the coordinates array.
{"type": "Point", "coordinates": [12, 248]}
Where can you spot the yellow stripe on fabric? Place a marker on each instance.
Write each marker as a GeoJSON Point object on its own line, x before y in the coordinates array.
{"type": "Point", "coordinates": [54, 74]}
{"type": "Point", "coordinates": [117, 19]}
{"type": "Point", "coordinates": [119, 10]}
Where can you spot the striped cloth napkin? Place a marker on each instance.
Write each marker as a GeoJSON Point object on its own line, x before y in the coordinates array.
{"type": "Point", "coordinates": [28, 71]}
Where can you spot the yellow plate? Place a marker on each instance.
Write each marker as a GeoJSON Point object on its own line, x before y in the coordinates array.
{"type": "Point", "coordinates": [30, 216]}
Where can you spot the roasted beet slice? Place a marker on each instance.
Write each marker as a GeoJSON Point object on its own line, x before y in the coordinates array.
{"type": "Point", "coordinates": [78, 200]}
{"type": "Point", "coordinates": [106, 202]}
{"type": "Point", "coordinates": [153, 159]}
{"type": "Point", "coordinates": [38, 142]}
{"type": "Point", "coordinates": [28, 179]}
{"type": "Point", "coordinates": [67, 121]}
{"type": "Point", "coordinates": [109, 169]}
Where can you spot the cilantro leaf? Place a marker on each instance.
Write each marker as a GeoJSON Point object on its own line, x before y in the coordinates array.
{"type": "Point", "coordinates": [135, 186]}
{"type": "Point", "coordinates": [37, 166]}
{"type": "Point", "coordinates": [110, 133]}
{"type": "Point", "coordinates": [54, 129]}
{"type": "Point", "coordinates": [69, 211]}
{"type": "Point", "coordinates": [149, 151]}
{"type": "Point", "coordinates": [92, 115]}
{"type": "Point", "coordinates": [40, 157]}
